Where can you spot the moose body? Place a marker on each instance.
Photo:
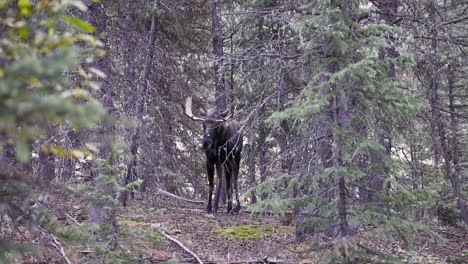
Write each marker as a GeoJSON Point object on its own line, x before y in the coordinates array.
{"type": "Point", "coordinates": [222, 143]}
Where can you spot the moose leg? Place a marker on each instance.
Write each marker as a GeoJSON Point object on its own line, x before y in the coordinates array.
{"type": "Point", "coordinates": [228, 172]}
{"type": "Point", "coordinates": [219, 172]}
{"type": "Point", "coordinates": [210, 171]}
{"type": "Point", "coordinates": [235, 173]}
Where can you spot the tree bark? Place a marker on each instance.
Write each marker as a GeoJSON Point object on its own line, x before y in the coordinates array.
{"type": "Point", "coordinates": [448, 154]}
{"type": "Point", "coordinates": [131, 174]}
{"type": "Point", "coordinates": [437, 117]}
{"type": "Point", "coordinates": [285, 131]}
{"type": "Point", "coordinates": [339, 122]}
{"type": "Point", "coordinates": [218, 52]}
{"type": "Point", "coordinates": [263, 149]}
{"type": "Point", "coordinates": [455, 175]}
{"type": "Point", "coordinates": [103, 212]}
{"type": "Point", "coordinates": [218, 46]}
{"type": "Point", "coordinates": [389, 11]}
{"type": "Point", "coordinates": [46, 173]}
{"type": "Point", "coordinates": [251, 164]}
{"type": "Point", "coordinates": [128, 54]}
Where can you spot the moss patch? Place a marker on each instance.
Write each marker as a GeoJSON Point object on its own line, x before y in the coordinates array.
{"type": "Point", "coordinates": [133, 223]}
{"type": "Point", "coordinates": [250, 231]}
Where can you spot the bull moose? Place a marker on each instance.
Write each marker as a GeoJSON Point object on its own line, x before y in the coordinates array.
{"type": "Point", "coordinates": [222, 143]}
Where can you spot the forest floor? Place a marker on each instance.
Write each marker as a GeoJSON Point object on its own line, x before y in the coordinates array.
{"type": "Point", "coordinates": [275, 243]}
{"type": "Point", "coordinates": [221, 238]}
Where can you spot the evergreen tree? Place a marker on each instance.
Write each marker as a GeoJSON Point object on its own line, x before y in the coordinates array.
{"type": "Point", "coordinates": [40, 51]}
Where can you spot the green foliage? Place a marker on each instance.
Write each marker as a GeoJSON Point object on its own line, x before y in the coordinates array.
{"type": "Point", "coordinates": [349, 251]}
{"type": "Point", "coordinates": [447, 212]}
{"type": "Point", "coordinates": [170, 261]}
{"type": "Point", "coordinates": [278, 189]}
{"type": "Point", "coordinates": [107, 184]}
{"type": "Point", "coordinates": [9, 251]}
{"type": "Point", "coordinates": [155, 237]}
{"type": "Point", "coordinates": [350, 71]}
{"type": "Point", "coordinates": [38, 58]}
{"type": "Point", "coordinates": [75, 234]}
{"type": "Point", "coordinates": [80, 24]}
{"type": "Point", "coordinates": [459, 258]}
{"type": "Point", "coordinates": [130, 238]}
{"type": "Point", "coordinates": [34, 90]}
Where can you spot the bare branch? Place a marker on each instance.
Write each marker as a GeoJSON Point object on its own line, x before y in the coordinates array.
{"type": "Point", "coordinates": [56, 243]}
{"type": "Point", "coordinates": [178, 197]}
{"type": "Point", "coordinates": [455, 21]}
{"type": "Point", "coordinates": [182, 246]}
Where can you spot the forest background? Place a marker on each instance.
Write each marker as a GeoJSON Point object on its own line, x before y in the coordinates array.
{"type": "Point", "coordinates": [353, 113]}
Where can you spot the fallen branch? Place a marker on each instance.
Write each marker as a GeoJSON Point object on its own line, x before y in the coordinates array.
{"type": "Point", "coordinates": [250, 261]}
{"type": "Point", "coordinates": [192, 210]}
{"type": "Point", "coordinates": [178, 197]}
{"type": "Point", "coordinates": [182, 246]}
{"type": "Point", "coordinates": [266, 212]}
{"type": "Point", "coordinates": [73, 219]}
{"type": "Point", "coordinates": [56, 243]}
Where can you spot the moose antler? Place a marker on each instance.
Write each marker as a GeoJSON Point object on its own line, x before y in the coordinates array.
{"type": "Point", "coordinates": [188, 110]}
{"type": "Point", "coordinates": [225, 116]}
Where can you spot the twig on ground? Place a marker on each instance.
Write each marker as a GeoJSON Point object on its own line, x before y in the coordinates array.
{"type": "Point", "coordinates": [368, 250]}
{"type": "Point", "coordinates": [178, 197]}
{"type": "Point", "coordinates": [183, 247]}
{"type": "Point", "coordinates": [192, 210]}
{"type": "Point", "coordinates": [73, 219]}
{"type": "Point", "coordinates": [56, 243]}
{"type": "Point", "coordinates": [251, 261]}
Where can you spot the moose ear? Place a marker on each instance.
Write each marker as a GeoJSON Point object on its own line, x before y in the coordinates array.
{"type": "Point", "coordinates": [225, 114]}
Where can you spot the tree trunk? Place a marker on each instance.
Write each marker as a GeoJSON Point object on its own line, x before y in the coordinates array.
{"type": "Point", "coordinates": [455, 175]}
{"type": "Point", "coordinates": [128, 54]}
{"type": "Point", "coordinates": [251, 165]}
{"type": "Point", "coordinates": [389, 11]}
{"type": "Point", "coordinates": [73, 139]}
{"type": "Point", "coordinates": [218, 46]}
{"type": "Point", "coordinates": [103, 212]}
{"type": "Point", "coordinates": [46, 168]}
{"type": "Point", "coordinates": [263, 149]}
{"type": "Point", "coordinates": [217, 33]}
{"type": "Point", "coordinates": [439, 121]}
{"type": "Point", "coordinates": [339, 122]}
{"type": "Point", "coordinates": [131, 174]}
{"type": "Point", "coordinates": [166, 140]}
{"type": "Point", "coordinates": [285, 131]}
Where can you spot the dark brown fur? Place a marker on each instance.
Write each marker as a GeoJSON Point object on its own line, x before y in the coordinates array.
{"type": "Point", "coordinates": [222, 142]}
